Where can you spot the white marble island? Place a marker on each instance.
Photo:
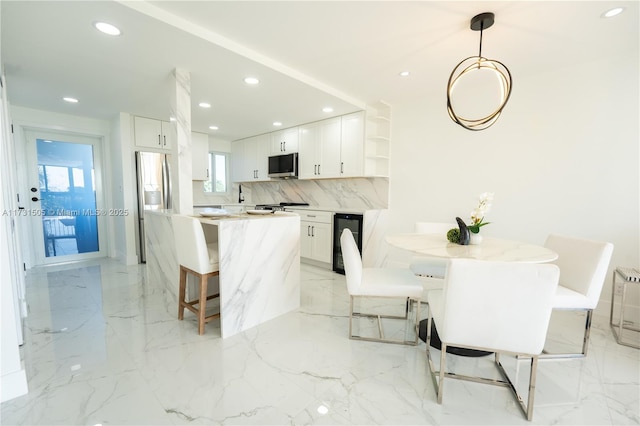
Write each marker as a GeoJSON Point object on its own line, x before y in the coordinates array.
{"type": "Point", "coordinates": [259, 259]}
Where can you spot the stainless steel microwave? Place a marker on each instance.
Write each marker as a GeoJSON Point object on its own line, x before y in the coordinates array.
{"type": "Point", "coordinates": [283, 166]}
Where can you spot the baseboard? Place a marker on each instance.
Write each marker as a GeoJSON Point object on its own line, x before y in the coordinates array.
{"type": "Point", "coordinates": [14, 385]}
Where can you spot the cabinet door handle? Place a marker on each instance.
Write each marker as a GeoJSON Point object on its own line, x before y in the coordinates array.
{"type": "Point", "coordinates": [313, 231]}
{"type": "Point", "coordinates": [315, 169]}
{"type": "Point", "coordinates": [165, 140]}
{"type": "Point", "coordinates": [318, 168]}
{"type": "Point", "coordinates": [159, 141]}
{"type": "Point", "coordinates": [207, 173]}
{"type": "Point", "coordinates": [308, 231]}
{"type": "Point", "coordinates": [341, 167]}
{"type": "Point", "coordinates": [284, 146]}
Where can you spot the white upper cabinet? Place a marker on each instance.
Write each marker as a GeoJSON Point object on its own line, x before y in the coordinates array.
{"type": "Point", "coordinates": [150, 133]}
{"type": "Point", "coordinates": [352, 145]}
{"type": "Point", "coordinates": [319, 149]}
{"type": "Point", "coordinates": [330, 140]}
{"type": "Point", "coordinates": [309, 151]}
{"type": "Point", "coordinates": [251, 158]}
{"type": "Point", "coordinates": [284, 141]}
{"type": "Point", "coordinates": [200, 155]}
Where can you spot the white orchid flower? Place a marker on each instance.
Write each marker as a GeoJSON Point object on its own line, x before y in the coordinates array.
{"type": "Point", "coordinates": [484, 206]}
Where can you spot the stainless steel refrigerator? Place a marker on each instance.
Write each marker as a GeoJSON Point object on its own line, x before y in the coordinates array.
{"type": "Point", "coordinates": [154, 188]}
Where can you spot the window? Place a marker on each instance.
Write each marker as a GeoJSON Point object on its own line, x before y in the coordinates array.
{"type": "Point", "coordinates": [218, 181]}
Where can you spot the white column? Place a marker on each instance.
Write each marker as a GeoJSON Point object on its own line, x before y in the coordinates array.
{"type": "Point", "coordinates": [182, 188]}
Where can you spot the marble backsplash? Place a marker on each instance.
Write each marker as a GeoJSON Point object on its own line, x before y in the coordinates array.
{"type": "Point", "coordinates": [356, 193]}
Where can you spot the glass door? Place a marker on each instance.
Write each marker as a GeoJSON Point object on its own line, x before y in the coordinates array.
{"type": "Point", "coordinates": [65, 197]}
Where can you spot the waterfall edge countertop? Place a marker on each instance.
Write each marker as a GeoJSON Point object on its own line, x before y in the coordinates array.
{"type": "Point", "coordinates": [259, 263]}
{"type": "Point", "coordinates": [244, 216]}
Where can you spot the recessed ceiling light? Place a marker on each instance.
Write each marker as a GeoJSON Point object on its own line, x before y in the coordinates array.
{"type": "Point", "coordinates": [277, 123]}
{"type": "Point", "coordinates": [327, 109]}
{"type": "Point", "coordinates": [106, 28]}
{"type": "Point", "coordinates": [204, 105]}
{"type": "Point", "coordinates": [172, 119]}
{"type": "Point", "coordinates": [613, 12]}
{"type": "Point", "coordinates": [404, 74]}
{"type": "Point", "coordinates": [213, 127]}
{"type": "Point", "coordinates": [322, 409]}
{"type": "Point", "coordinates": [251, 80]}
{"type": "Point", "coordinates": [71, 100]}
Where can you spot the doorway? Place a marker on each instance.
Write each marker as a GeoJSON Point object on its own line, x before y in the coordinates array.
{"type": "Point", "coordinates": [65, 197]}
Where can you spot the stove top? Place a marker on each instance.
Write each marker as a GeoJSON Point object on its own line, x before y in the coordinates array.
{"type": "Point", "coordinates": [279, 207]}
{"type": "Point", "coordinates": [293, 204]}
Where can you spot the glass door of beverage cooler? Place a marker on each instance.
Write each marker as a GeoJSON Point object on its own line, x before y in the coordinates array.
{"type": "Point", "coordinates": [341, 221]}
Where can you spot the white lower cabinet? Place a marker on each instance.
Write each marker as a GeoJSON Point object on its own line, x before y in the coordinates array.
{"type": "Point", "coordinates": [315, 241]}
{"type": "Point", "coordinates": [316, 231]}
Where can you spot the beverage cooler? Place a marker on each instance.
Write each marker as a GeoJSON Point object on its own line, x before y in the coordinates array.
{"type": "Point", "coordinates": [341, 221]}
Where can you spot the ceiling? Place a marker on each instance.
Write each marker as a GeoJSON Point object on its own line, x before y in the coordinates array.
{"type": "Point", "coordinates": [307, 55]}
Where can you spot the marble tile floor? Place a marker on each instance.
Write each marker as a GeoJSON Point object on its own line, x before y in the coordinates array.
{"type": "Point", "coordinates": [101, 348]}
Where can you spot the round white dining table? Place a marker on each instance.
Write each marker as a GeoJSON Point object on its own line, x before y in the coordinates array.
{"type": "Point", "coordinates": [494, 249]}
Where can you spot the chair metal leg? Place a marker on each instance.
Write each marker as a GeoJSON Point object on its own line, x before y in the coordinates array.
{"type": "Point", "coordinates": [443, 366]}
{"type": "Point", "coordinates": [438, 376]}
{"type": "Point", "coordinates": [379, 318]}
{"type": "Point", "coordinates": [585, 342]}
{"type": "Point", "coordinates": [527, 409]}
{"type": "Point", "coordinates": [432, 370]}
{"type": "Point", "coordinates": [350, 317]}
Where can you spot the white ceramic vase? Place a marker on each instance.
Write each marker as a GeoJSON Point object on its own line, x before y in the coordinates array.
{"type": "Point", "coordinates": [475, 238]}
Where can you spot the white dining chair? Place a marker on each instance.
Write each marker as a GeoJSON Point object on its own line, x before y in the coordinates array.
{"type": "Point", "coordinates": [429, 266]}
{"type": "Point", "coordinates": [429, 269]}
{"type": "Point", "coordinates": [198, 258]}
{"type": "Point", "coordinates": [583, 267]}
{"type": "Point", "coordinates": [378, 282]}
{"type": "Point", "coordinates": [501, 307]}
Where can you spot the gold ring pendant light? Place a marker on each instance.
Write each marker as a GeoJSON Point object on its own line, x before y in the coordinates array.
{"type": "Point", "coordinates": [474, 63]}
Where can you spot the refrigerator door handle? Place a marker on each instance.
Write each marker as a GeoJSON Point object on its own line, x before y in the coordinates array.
{"type": "Point", "coordinates": [166, 182]}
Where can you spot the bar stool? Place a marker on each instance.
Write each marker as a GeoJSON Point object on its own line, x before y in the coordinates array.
{"type": "Point", "coordinates": [198, 258]}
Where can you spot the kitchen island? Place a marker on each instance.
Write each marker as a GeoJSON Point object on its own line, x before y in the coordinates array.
{"type": "Point", "coordinates": [259, 258]}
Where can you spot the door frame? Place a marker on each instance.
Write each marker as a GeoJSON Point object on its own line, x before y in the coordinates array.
{"type": "Point", "coordinates": [37, 253]}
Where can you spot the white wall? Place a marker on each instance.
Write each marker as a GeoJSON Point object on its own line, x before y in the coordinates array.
{"type": "Point", "coordinates": [13, 379]}
{"type": "Point", "coordinates": [563, 158]}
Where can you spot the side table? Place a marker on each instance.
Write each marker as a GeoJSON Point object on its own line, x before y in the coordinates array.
{"type": "Point", "coordinates": [629, 276]}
